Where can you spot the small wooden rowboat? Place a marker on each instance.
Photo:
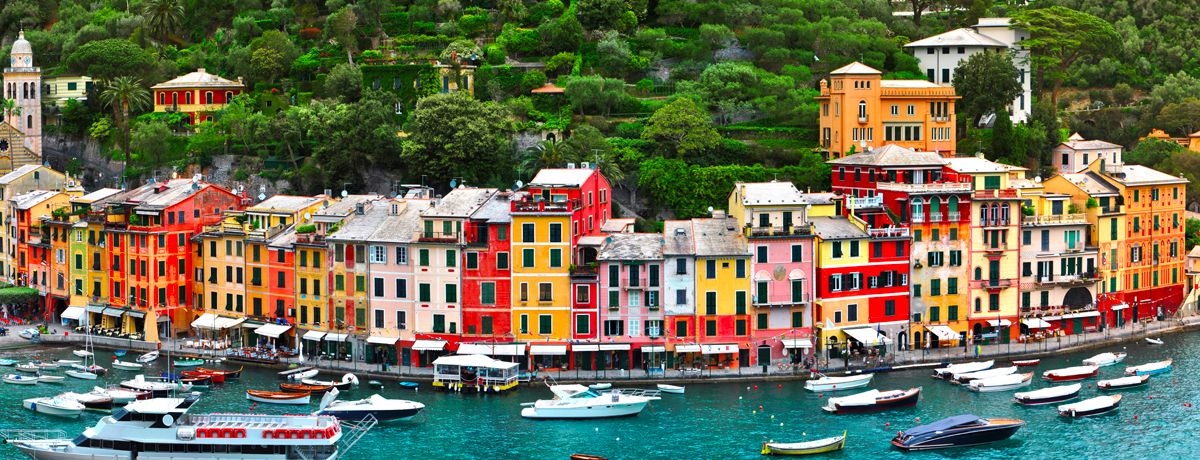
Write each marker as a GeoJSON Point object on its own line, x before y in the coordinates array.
{"type": "Point", "coordinates": [1026, 362]}
{"type": "Point", "coordinates": [229, 375]}
{"type": "Point", "coordinates": [675, 389]}
{"type": "Point", "coordinates": [215, 378]}
{"type": "Point", "coordinates": [805, 448]}
{"type": "Point", "coordinates": [277, 397]}
{"type": "Point", "coordinates": [303, 388]}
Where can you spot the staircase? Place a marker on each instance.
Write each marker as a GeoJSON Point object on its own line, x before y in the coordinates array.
{"type": "Point", "coordinates": [353, 432]}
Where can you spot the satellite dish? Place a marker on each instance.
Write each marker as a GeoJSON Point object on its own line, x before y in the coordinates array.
{"type": "Point", "coordinates": [262, 196]}
{"type": "Point", "coordinates": [453, 183]}
{"type": "Point", "coordinates": [345, 193]}
{"type": "Point", "coordinates": [710, 209]}
{"type": "Point", "coordinates": [520, 184]}
{"type": "Point", "coordinates": [307, 215]}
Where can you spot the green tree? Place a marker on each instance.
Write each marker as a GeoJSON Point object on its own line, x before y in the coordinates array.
{"type": "Point", "coordinates": [271, 55]}
{"type": "Point", "coordinates": [125, 95]}
{"type": "Point", "coordinates": [1192, 233]}
{"type": "Point", "coordinates": [162, 19]}
{"type": "Point", "coordinates": [587, 144]}
{"type": "Point", "coordinates": [987, 83]}
{"type": "Point", "coordinates": [150, 140]}
{"type": "Point", "coordinates": [681, 129]}
{"type": "Point", "coordinates": [1182, 118]}
{"type": "Point", "coordinates": [614, 54]}
{"type": "Point", "coordinates": [599, 14]}
{"type": "Point", "coordinates": [562, 34]}
{"type": "Point", "coordinates": [1060, 36]}
{"type": "Point", "coordinates": [108, 59]}
{"type": "Point", "coordinates": [593, 94]}
{"type": "Point", "coordinates": [727, 88]}
{"type": "Point", "coordinates": [344, 81]}
{"type": "Point", "coordinates": [919, 7]}
{"type": "Point", "coordinates": [1152, 152]}
{"type": "Point", "coordinates": [454, 135]}
{"type": "Point", "coordinates": [1002, 137]}
{"type": "Point", "coordinates": [715, 36]}
{"type": "Point", "coordinates": [340, 26]}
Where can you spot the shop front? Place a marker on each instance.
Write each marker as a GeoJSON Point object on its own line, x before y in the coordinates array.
{"type": "Point", "coordinates": [547, 356]}
{"type": "Point", "coordinates": [428, 350]}
{"type": "Point", "coordinates": [73, 317]}
{"type": "Point", "coordinates": [382, 350]}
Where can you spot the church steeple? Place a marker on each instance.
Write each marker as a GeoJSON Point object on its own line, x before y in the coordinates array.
{"type": "Point", "coordinates": [22, 52]}
{"type": "Point", "coordinates": [23, 85]}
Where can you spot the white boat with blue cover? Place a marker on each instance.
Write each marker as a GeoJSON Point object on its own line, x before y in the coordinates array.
{"type": "Point", "coordinates": [1154, 368]}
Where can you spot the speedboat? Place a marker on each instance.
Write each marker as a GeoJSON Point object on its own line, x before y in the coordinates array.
{"type": "Point", "coordinates": [277, 397]}
{"type": "Point", "coordinates": [1026, 362]}
{"type": "Point", "coordinates": [1049, 395]}
{"type": "Point", "coordinates": [957, 431]}
{"type": "Point", "coordinates": [82, 353]}
{"type": "Point", "coordinates": [29, 334]}
{"type": "Point", "coordinates": [1150, 368]}
{"type": "Point", "coordinates": [1121, 383]}
{"type": "Point", "coordinates": [1090, 407]}
{"type": "Point", "coordinates": [163, 428]}
{"type": "Point", "coordinates": [818, 446]}
{"type": "Point", "coordinates": [148, 357]}
{"type": "Point", "coordinates": [826, 383]}
{"type": "Point", "coordinates": [673, 389]}
{"type": "Point", "coordinates": [61, 407]}
{"type": "Point", "coordinates": [50, 379]}
{"type": "Point", "coordinates": [93, 368]}
{"type": "Point", "coordinates": [1105, 359]}
{"type": "Point", "coordinates": [9, 362]}
{"type": "Point", "coordinates": [1001, 383]}
{"type": "Point", "coordinates": [1153, 341]}
{"type": "Point", "coordinates": [986, 373]}
{"type": "Point", "coordinates": [347, 381]}
{"type": "Point", "coordinates": [91, 400]}
{"type": "Point", "coordinates": [47, 366]}
{"type": "Point", "coordinates": [122, 396]}
{"type": "Point", "coordinates": [872, 401]}
{"type": "Point", "coordinates": [580, 402]}
{"type": "Point", "coordinates": [188, 362]}
{"type": "Point", "coordinates": [126, 365]}
{"type": "Point", "coordinates": [28, 367]}
{"type": "Point", "coordinates": [158, 387]}
{"type": "Point", "coordinates": [67, 362]}
{"type": "Point", "coordinates": [1071, 373]}
{"type": "Point", "coordinates": [600, 386]}
{"type": "Point", "coordinates": [963, 368]}
{"type": "Point", "coordinates": [308, 374]}
{"type": "Point", "coordinates": [17, 379]}
{"type": "Point", "coordinates": [383, 409]}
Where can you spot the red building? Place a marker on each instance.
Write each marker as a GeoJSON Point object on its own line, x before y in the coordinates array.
{"type": "Point", "coordinates": [199, 95]}
{"type": "Point", "coordinates": [585, 186]}
{"type": "Point", "coordinates": [487, 272]}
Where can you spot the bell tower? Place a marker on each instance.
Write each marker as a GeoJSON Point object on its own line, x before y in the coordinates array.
{"type": "Point", "coordinates": [23, 85]}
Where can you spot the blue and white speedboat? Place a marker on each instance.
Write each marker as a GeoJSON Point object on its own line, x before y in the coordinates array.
{"type": "Point", "coordinates": [382, 408]}
{"type": "Point", "coordinates": [1160, 367]}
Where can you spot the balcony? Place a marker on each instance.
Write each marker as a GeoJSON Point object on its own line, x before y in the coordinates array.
{"type": "Point", "coordinates": [539, 205]}
{"type": "Point", "coordinates": [935, 217]}
{"type": "Point", "coordinates": [435, 237]}
{"type": "Point", "coordinates": [853, 202]}
{"type": "Point", "coordinates": [862, 118]}
{"type": "Point", "coordinates": [783, 300]}
{"type": "Point", "coordinates": [936, 187]}
{"type": "Point", "coordinates": [310, 238]}
{"type": "Point", "coordinates": [954, 216]}
{"type": "Point", "coordinates": [994, 284]}
{"type": "Point", "coordinates": [1084, 278]}
{"type": "Point", "coordinates": [778, 231]}
{"type": "Point", "coordinates": [1008, 193]}
{"type": "Point", "coordinates": [888, 232]}
{"type": "Point", "coordinates": [1056, 220]}
{"type": "Point", "coordinates": [917, 218]}
{"type": "Point", "coordinates": [265, 234]}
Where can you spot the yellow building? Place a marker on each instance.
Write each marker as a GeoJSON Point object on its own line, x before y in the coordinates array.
{"type": "Point", "coordinates": [59, 89]}
{"type": "Point", "coordinates": [841, 252]}
{"type": "Point", "coordinates": [265, 221]}
{"type": "Point", "coordinates": [861, 110]}
{"type": "Point", "coordinates": [220, 258]}
{"type": "Point", "coordinates": [1105, 213]}
{"type": "Point", "coordinates": [541, 280]}
{"type": "Point", "coordinates": [88, 256]}
{"type": "Point", "coordinates": [723, 285]}
{"type": "Point", "coordinates": [23, 180]}
{"type": "Point", "coordinates": [315, 268]}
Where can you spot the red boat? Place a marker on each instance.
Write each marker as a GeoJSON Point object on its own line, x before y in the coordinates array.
{"type": "Point", "coordinates": [215, 378]}
{"type": "Point", "coordinates": [1026, 362]}
{"type": "Point", "coordinates": [1071, 373]}
{"type": "Point", "coordinates": [229, 375]}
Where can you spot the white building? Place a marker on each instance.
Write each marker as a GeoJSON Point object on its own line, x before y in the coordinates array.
{"type": "Point", "coordinates": [940, 55]}
{"type": "Point", "coordinates": [1076, 154]}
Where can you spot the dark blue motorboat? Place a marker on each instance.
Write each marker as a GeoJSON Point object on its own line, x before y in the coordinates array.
{"type": "Point", "coordinates": [383, 409]}
{"type": "Point", "coordinates": [957, 431]}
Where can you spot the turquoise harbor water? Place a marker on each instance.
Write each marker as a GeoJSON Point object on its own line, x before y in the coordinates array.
{"type": "Point", "coordinates": [723, 420]}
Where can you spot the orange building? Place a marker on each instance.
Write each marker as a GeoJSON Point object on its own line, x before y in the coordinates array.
{"type": "Point", "coordinates": [861, 110]}
{"type": "Point", "coordinates": [198, 95]}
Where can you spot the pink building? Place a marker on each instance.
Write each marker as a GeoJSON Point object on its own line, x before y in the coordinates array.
{"type": "Point", "coordinates": [631, 316]}
{"type": "Point", "coordinates": [391, 296]}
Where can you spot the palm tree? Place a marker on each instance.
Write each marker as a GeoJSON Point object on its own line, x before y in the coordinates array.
{"type": "Point", "coordinates": [162, 18]}
{"type": "Point", "coordinates": [9, 108]}
{"type": "Point", "coordinates": [125, 94]}
{"type": "Point", "coordinates": [545, 154]}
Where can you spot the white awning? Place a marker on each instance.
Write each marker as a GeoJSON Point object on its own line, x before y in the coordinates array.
{"type": "Point", "coordinates": [687, 348]}
{"type": "Point", "coordinates": [942, 332]}
{"type": "Point", "coordinates": [73, 313]}
{"type": "Point", "coordinates": [1086, 314]}
{"type": "Point", "coordinates": [867, 336]}
{"type": "Point", "coordinates": [797, 343]}
{"type": "Point", "coordinates": [614, 347]}
{"type": "Point", "coordinates": [1035, 323]}
{"type": "Point", "coordinates": [1051, 318]}
{"type": "Point", "coordinates": [547, 350]}
{"type": "Point", "coordinates": [1119, 307]}
{"type": "Point", "coordinates": [314, 335]}
{"type": "Point", "coordinates": [135, 313]}
{"type": "Point", "coordinates": [95, 308]}
{"type": "Point", "coordinates": [718, 349]}
{"type": "Point", "coordinates": [492, 349]}
{"type": "Point", "coordinates": [205, 321]}
{"type": "Point", "coordinates": [381, 340]}
{"type": "Point", "coordinates": [654, 349]}
{"type": "Point", "coordinates": [114, 312]}
{"type": "Point", "coordinates": [1000, 322]}
{"type": "Point", "coordinates": [585, 347]}
{"type": "Point", "coordinates": [331, 337]}
{"type": "Point", "coordinates": [429, 345]}
{"type": "Point", "coordinates": [272, 330]}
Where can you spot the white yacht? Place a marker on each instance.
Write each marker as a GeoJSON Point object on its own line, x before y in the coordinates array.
{"type": "Point", "coordinates": [578, 401]}
{"type": "Point", "coordinates": [156, 386]}
{"type": "Point", "coordinates": [383, 409]}
{"type": "Point", "coordinates": [162, 428]}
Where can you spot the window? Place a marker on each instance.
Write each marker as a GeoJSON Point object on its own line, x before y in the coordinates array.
{"type": "Point", "coordinates": [614, 327]}
{"type": "Point", "coordinates": [378, 254]}
{"type": "Point", "coordinates": [401, 288]}
{"type": "Point", "coordinates": [614, 299]}
{"type": "Point", "coordinates": [423, 257]}
{"type": "Point", "coordinates": [555, 258]}
{"type": "Point", "coordinates": [681, 296]}
{"type": "Point", "coordinates": [451, 293]}
{"type": "Point", "coordinates": [378, 282]}
{"type": "Point", "coordinates": [837, 249]}
{"type": "Point", "coordinates": [680, 266]}
{"type": "Point", "coordinates": [527, 259]}
{"type": "Point", "coordinates": [710, 303]}
{"type": "Point", "coordinates": [710, 269]}
{"type": "Point", "coordinates": [451, 258]}
{"type": "Point", "coordinates": [710, 327]}
{"type": "Point", "coordinates": [424, 292]}
{"type": "Point", "coordinates": [741, 268]}
{"type": "Point", "coordinates": [852, 312]}
{"type": "Point", "coordinates": [545, 292]}
{"type": "Point", "coordinates": [527, 233]}
{"type": "Point", "coordinates": [582, 325]}
{"type": "Point", "coordinates": [501, 261]}
{"type": "Point", "coordinates": [760, 254]}
{"type": "Point", "coordinates": [555, 233]}
{"type": "Point", "coordinates": [472, 260]}
{"type": "Point", "coordinates": [582, 294]}
{"type": "Point", "coordinates": [797, 253]}
{"type": "Point", "coordinates": [797, 291]}
{"type": "Point", "coordinates": [524, 324]}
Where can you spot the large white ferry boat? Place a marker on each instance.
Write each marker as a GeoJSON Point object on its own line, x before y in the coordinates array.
{"type": "Point", "coordinates": [161, 428]}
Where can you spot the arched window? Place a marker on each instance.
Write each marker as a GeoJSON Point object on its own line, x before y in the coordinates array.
{"type": "Point", "coordinates": [952, 205]}
{"type": "Point", "coordinates": [862, 110]}
{"type": "Point", "coordinates": [28, 121]}
{"type": "Point", "coordinates": [978, 273]}
{"type": "Point", "coordinates": [935, 209]}
{"type": "Point", "coordinates": [228, 96]}
{"type": "Point", "coordinates": [208, 97]}
{"type": "Point", "coordinates": [33, 87]}
{"type": "Point", "coordinates": [995, 214]}
{"type": "Point", "coordinates": [918, 211]}
{"type": "Point", "coordinates": [174, 98]}
{"type": "Point", "coordinates": [983, 216]}
{"type": "Point", "coordinates": [24, 90]}
{"type": "Point", "coordinates": [1004, 212]}
{"type": "Point", "coordinates": [187, 97]}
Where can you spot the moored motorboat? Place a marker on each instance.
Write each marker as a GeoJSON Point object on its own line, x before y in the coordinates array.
{"type": "Point", "coordinates": [126, 365]}
{"type": "Point", "coordinates": [579, 402]}
{"type": "Point", "coordinates": [229, 375]}
{"type": "Point", "coordinates": [93, 368]}
{"type": "Point", "coordinates": [1049, 395]}
{"type": "Point", "coordinates": [600, 386]}
{"type": "Point", "coordinates": [1123, 382]}
{"type": "Point", "coordinates": [307, 374]}
{"type": "Point", "coordinates": [187, 362]}
{"type": "Point", "coordinates": [348, 381]}
{"type": "Point", "coordinates": [82, 353]}
{"type": "Point", "coordinates": [1068, 374]}
{"type": "Point", "coordinates": [1001, 383]}
{"type": "Point", "coordinates": [277, 397]}
{"type": "Point", "coordinates": [148, 358]}
{"type": "Point", "coordinates": [1153, 341]}
{"type": "Point", "coordinates": [17, 379]}
{"type": "Point", "coordinates": [91, 400]}
{"type": "Point", "coordinates": [957, 431]}
{"type": "Point", "coordinates": [122, 396]}
{"type": "Point", "coordinates": [50, 379]}
{"type": "Point", "coordinates": [409, 384]}
{"type": "Point", "coordinates": [383, 409]}
{"type": "Point", "coordinates": [84, 375]}
{"type": "Point", "coordinates": [1154, 368]}
{"type": "Point", "coordinates": [826, 383]}
{"type": "Point", "coordinates": [873, 401]}
{"type": "Point", "coordinates": [673, 389]}
{"type": "Point", "coordinates": [120, 353]}
{"type": "Point", "coordinates": [818, 446]}
{"type": "Point", "coordinates": [984, 374]}
{"type": "Point", "coordinates": [196, 382]}
{"type": "Point", "coordinates": [47, 366]}
{"type": "Point", "coordinates": [67, 362]}
{"type": "Point", "coordinates": [1090, 407]}
{"type": "Point", "coordinates": [962, 368]}
{"type": "Point", "coordinates": [1026, 362]}
{"type": "Point", "coordinates": [158, 387]}
{"type": "Point", "coordinates": [61, 407]}
{"type": "Point", "coordinates": [9, 362]}
{"type": "Point", "coordinates": [303, 388]}
{"type": "Point", "coordinates": [28, 367]}
{"type": "Point", "coordinates": [1105, 359]}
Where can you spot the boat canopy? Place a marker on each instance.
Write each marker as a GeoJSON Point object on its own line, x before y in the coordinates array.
{"type": "Point", "coordinates": [429, 345]}
{"type": "Point", "coordinates": [272, 330]}
{"type": "Point", "coordinates": [492, 349]}
{"type": "Point", "coordinates": [479, 361]}
{"type": "Point", "coordinates": [942, 332]}
{"type": "Point", "coordinates": [73, 313]}
{"type": "Point", "coordinates": [941, 425]}
{"type": "Point", "coordinates": [1035, 323]}
{"type": "Point", "coordinates": [797, 343]}
{"type": "Point", "coordinates": [868, 336]}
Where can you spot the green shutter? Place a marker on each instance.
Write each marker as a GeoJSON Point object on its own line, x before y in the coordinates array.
{"type": "Point", "coordinates": [451, 258]}
{"type": "Point", "coordinates": [761, 292]}
{"type": "Point", "coordinates": [556, 258]}
{"type": "Point", "coordinates": [488, 294]}
{"type": "Point", "coordinates": [797, 291]}
{"type": "Point", "coordinates": [423, 255]}
{"type": "Point", "coordinates": [741, 302]}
